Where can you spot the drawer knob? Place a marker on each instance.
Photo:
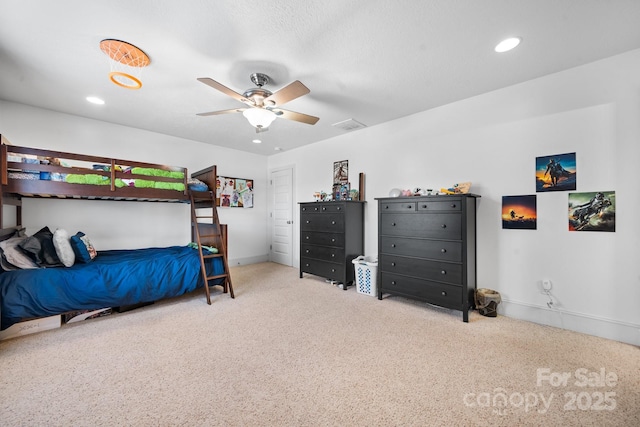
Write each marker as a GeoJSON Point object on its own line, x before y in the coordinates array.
{"type": "Point", "coordinates": [393, 224]}
{"type": "Point", "coordinates": [424, 206]}
{"type": "Point", "coordinates": [324, 209]}
{"type": "Point", "coordinates": [409, 206]}
{"type": "Point", "coordinates": [393, 245]}
{"type": "Point", "coordinates": [386, 207]}
{"type": "Point", "coordinates": [307, 237]}
{"type": "Point", "coordinates": [333, 240]}
{"type": "Point", "coordinates": [453, 205]}
{"type": "Point", "coordinates": [308, 222]}
{"type": "Point", "coordinates": [444, 225]}
{"type": "Point", "coordinates": [393, 282]}
{"type": "Point", "coordinates": [444, 294]}
{"type": "Point", "coordinates": [443, 250]}
{"type": "Point", "coordinates": [338, 208]}
{"type": "Point", "coordinates": [333, 223]}
{"type": "Point", "coordinates": [333, 270]}
{"type": "Point", "coordinates": [306, 265]}
{"type": "Point", "coordinates": [443, 272]}
{"type": "Point", "coordinates": [333, 255]}
{"type": "Point", "coordinates": [304, 209]}
{"type": "Point", "coordinates": [307, 251]}
{"type": "Point", "coordinates": [315, 209]}
{"type": "Point", "coordinates": [393, 264]}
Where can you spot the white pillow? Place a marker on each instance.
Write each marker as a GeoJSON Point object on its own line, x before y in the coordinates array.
{"type": "Point", "coordinates": [62, 243]}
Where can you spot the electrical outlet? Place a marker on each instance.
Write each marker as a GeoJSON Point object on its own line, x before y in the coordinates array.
{"type": "Point", "coordinates": [546, 284]}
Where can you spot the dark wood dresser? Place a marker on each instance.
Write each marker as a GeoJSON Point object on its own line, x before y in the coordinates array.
{"type": "Point", "coordinates": [331, 235]}
{"type": "Point", "coordinates": [427, 249]}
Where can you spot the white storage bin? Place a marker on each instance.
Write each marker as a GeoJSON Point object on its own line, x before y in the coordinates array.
{"type": "Point", "coordinates": [31, 326]}
{"type": "Point", "coordinates": [366, 272]}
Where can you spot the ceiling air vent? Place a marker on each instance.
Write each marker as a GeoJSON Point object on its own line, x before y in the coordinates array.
{"type": "Point", "coordinates": [349, 125]}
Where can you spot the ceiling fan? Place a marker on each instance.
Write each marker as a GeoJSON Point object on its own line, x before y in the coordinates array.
{"type": "Point", "coordinates": [263, 105]}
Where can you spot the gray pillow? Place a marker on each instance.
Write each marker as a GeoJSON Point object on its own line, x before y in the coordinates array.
{"type": "Point", "coordinates": [48, 253]}
{"type": "Point", "coordinates": [14, 255]}
{"type": "Point", "coordinates": [31, 247]}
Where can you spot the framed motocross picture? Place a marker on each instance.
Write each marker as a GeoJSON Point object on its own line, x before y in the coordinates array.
{"type": "Point", "coordinates": [556, 173]}
{"type": "Point", "coordinates": [594, 211]}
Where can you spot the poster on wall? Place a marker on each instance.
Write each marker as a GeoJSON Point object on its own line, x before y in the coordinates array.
{"type": "Point", "coordinates": [556, 173]}
{"type": "Point", "coordinates": [234, 192]}
{"type": "Point", "coordinates": [595, 211]}
{"type": "Point", "coordinates": [519, 212]}
{"type": "Point", "coordinates": [341, 172]}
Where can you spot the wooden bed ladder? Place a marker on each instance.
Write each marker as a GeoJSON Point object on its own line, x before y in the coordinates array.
{"type": "Point", "coordinates": [207, 231]}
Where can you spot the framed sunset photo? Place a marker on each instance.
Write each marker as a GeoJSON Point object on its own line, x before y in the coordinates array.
{"type": "Point", "coordinates": [519, 212]}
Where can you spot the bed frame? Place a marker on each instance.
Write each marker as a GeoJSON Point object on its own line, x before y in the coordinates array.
{"type": "Point", "coordinates": [13, 190]}
{"type": "Point", "coordinates": [14, 187]}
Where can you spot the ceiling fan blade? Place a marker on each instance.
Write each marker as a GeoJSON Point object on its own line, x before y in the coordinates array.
{"type": "Point", "coordinates": [288, 93]}
{"type": "Point", "coordinates": [215, 113]}
{"type": "Point", "coordinates": [298, 117]}
{"type": "Point", "coordinates": [222, 88]}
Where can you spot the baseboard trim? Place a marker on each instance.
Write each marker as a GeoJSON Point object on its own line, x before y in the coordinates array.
{"type": "Point", "coordinates": [579, 322]}
{"type": "Point", "coordinates": [248, 260]}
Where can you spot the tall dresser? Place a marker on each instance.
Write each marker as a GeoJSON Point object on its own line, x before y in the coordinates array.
{"type": "Point", "coordinates": [331, 235]}
{"type": "Point", "coordinates": [427, 249]}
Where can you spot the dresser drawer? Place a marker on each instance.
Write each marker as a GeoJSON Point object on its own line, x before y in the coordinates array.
{"type": "Point", "coordinates": [332, 207]}
{"type": "Point", "coordinates": [437, 293]}
{"type": "Point", "coordinates": [439, 250]}
{"type": "Point", "coordinates": [320, 268]}
{"type": "Point", "coordinates": [398, 207]}
{"type": "Point", "coordinates": [320, 238]}
{"type": "Point", "coordinates": [326, 253]}
{"type": "Point", "coordinates": [440, 205]}
{"type": "Point", "coordinates": [437, 225]}
{"type": "Point", "coordinates": [310, 208]}
{"type": "Point", "coordinates": [322, 207]}
{"type": "Point", "coordinates": [329, 222]}
{"type": "Point", "coordinates": [421, 268]}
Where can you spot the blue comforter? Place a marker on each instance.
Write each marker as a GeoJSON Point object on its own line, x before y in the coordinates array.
{"type": "Point", "coordinates": [114, 278]}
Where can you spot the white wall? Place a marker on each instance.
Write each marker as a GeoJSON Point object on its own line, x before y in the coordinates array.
{"type": "Point", "coordinates": [123, 225]}
{"type": "Point", "coordinates": [492, 140]}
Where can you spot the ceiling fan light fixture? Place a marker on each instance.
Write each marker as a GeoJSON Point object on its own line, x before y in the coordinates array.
{"type": "Point", "coordinates": [259, 117]}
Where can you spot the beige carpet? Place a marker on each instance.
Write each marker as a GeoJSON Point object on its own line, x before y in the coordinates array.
{"type": "Point", "coordinates": [301, 352]}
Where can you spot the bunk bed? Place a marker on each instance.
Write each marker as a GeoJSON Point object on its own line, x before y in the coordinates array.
{"type": "Point", "coordinates": [95, 280]}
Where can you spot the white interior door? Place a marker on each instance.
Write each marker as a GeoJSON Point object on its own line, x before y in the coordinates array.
{"type": "Point", "coordinates": [281, 184]}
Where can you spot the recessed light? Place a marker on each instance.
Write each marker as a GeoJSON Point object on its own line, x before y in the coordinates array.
{"type": "Point", "coordinates": [95, 100]}
{"type": "Point", "coordinates": [257, 141]}
{"type": "Point", "coordinates": [508, 44]}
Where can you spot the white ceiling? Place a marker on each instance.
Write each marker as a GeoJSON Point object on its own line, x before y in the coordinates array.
{"type": "Point", "coordinates": [370, 60]}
